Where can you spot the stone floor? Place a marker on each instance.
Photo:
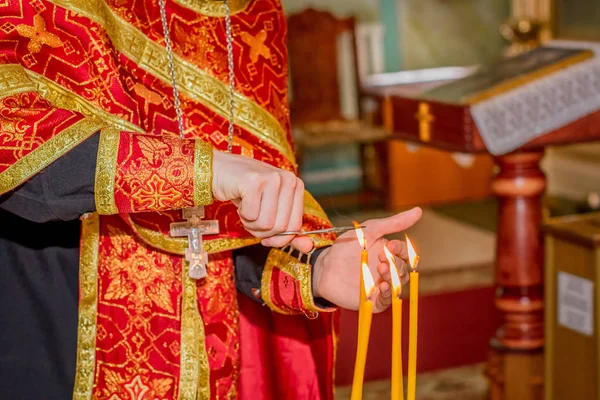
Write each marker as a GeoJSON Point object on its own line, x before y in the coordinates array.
{"type": "Point", "coordinates": [465, 383]}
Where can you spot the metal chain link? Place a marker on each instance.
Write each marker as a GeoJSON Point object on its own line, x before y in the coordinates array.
{"type": "Point", "coordinates": [231, 74]}
{"type": "Point", "coordinates": [177, 102]}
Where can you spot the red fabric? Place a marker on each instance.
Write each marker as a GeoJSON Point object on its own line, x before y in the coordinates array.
{"type": "Point", "coordinates": [285, 356]}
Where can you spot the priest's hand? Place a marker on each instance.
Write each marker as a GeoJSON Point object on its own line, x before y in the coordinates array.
{"type": "Point", "coordinates": [337, 271]}
{"type": "Point", "coordinates": [269, 200]}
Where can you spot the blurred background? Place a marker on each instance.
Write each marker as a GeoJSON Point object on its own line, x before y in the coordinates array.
{"type": "Point", "coordinates": [358, 170]}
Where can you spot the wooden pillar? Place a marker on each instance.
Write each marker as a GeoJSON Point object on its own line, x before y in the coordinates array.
{"type": "Point", "coordinates": [515, 367]}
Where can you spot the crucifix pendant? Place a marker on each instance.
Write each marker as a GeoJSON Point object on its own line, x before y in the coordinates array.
{"type": "Point", "coordinates": [194, 227]}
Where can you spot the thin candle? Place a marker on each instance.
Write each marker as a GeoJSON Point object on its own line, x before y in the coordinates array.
{"type": "Point", "coordinates": [397, 376]}
{"type": "Point", "coordinates": [364, 330]}
{"type": "Point", "coordinates": [364, 259]}
{"type": "Point", "coordinates": [413, 322]}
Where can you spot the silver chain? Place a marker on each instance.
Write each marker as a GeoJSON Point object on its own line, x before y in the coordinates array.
{"type": "Point", "coordinates": [231, 74]}
{"type": "Point", "coordinates": [177, 102]}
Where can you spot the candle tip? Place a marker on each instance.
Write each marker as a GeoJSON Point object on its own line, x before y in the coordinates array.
{"type": "Point", "coordinates": [396, 284]}
{"type": "Point", "coordinates": [413, 258]}
{"type": "Point", "coordinates": [360, 235]}
{"type": "Point", "coordinates": [368, 280]}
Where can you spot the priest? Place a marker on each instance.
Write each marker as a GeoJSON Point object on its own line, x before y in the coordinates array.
{"type": "Point", "coordinates": [115, 116]}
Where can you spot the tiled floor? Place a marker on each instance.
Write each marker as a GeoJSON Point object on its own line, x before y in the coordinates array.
{"type": "Point", "coordinates": [466, 383]}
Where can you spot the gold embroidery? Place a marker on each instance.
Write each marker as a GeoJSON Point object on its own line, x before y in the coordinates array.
{"type": "Point", "coordinates": [38, 35]}
{"type": "Point", "coordinates": [301, 272]}
{"type": "Point", "coordinates": [177, 246]}
{"type": "Point", "coordinates": [257, 45]}
{"type": "Point", "coordinates": [203, 158]}
{"type": "Point", "coordinates": [195, 372]}
{"type": "Point", "coordinates": [193, 82]}
{"type": "Point", "coordinates": [88, 283]}
{"type": "Point", "coordinates": [104, 187]}
{"type": "Point", "coordinates": [274, 258]}
{"type": "Point", "coordinates": [14, 80]}
{"type": "Point", "coordinates": [47, 153]}
{"type": "Point", "coordinates": [144, 280]}
{"type": "Point", "coordinates": [64, 98]}
{"type": "Point", "coordinates": [311, 207]}
{"type": "Point", "coordinates": [214, 8]}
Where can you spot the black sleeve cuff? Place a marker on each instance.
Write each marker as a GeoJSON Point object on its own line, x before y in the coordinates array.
{"type": "Point", "coordinates": [249, 263]}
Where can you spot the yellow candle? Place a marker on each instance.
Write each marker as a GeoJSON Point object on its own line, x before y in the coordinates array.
{"type": "Point", "coordinates": [364, 259]}
{"type": "Point", "coordinates": [397, 376]}
{"type": "Point", "coordinates": [364, 330]}
{"type": "Point", "coordinates": [413, 322]}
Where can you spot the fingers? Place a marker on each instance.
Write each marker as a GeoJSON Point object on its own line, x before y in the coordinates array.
{"type": "Point", "coordinates": [384, 297]}
{"type": "Point", "coordinates": [394, 224]}
{"type": "Point", "coordinates": [396, 247]}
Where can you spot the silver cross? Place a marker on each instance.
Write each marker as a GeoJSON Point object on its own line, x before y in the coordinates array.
{"type": "Point", "coordinates": [194, 228]}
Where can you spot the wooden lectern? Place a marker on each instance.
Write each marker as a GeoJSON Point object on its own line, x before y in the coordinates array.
{"type": "Point", "coordinates": [442, 117]}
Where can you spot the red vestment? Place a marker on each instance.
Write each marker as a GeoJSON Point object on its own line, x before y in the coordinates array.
{"type": "Point", "coordinates": [71, 68]}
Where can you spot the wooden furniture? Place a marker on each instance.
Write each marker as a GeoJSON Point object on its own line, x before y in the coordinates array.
{"type": "Point", "coordinates": [572, 293]}
{"type": "Point", "coordinates": [515, 364]}
{"type": "Point", "coordinates": [326, 108]}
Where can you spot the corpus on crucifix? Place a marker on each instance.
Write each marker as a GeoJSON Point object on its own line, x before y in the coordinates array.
{"type": "Point", "coordinates": [194, 227]}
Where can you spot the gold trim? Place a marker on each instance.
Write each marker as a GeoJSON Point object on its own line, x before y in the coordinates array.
{"type": "Point", "coordinates": [214, 8]}
{"type": "Point", "coordinates": [106, 170]}
{"type": "Point", "coordinates": [47, 153]}
{"type": "Point", "coordinates": [203, 161]}
{"type": "Point", "coordinates": [527, 78]}
{"type": "Point", "coordinates": [88, 283]}
{"type": "Point", "coordinates": [301, 272]}
{"type": "Point", "coordinates": [313, 208]}
{"type": "Point", "coordinates": [20, 80]}
{"type": "Point", "coordinates": [265, 281]}
{"type": "Point", "coordinates": [194, 383]}
{"type": "Point", "coordinates": [177, 246]}
{"type": "Point", "coordinates": [192, 81]}
{"type": "Point", "coordinates": [14, 80]}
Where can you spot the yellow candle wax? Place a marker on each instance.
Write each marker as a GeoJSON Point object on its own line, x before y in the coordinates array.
{"type": "Point", "coordinates": [364, 331]}
{"type": "Point", "coordinates": [361, 351]}
{"type": "Point", "coordinates": [397, 376]}
{"type": "Point", "coordinates": [412, 338]}
{"type": "Point", "coordinates": [413, 321]}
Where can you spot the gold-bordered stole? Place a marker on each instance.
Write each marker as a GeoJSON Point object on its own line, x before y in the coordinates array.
{"type": "Point", "coordinates": [214, 8]}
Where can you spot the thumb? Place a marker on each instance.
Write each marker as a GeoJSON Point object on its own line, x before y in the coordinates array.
{"type": "Point", "coordinates": [394, 224]}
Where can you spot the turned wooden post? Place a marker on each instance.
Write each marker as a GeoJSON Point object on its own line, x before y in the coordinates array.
{"type": "Point", "coordinates": [517, 348]}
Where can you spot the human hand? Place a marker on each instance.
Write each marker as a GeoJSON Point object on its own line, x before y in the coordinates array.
{"type": "Point", "coordinates": [269, 200]}
{"type": "Point", "coordinates": [337, 271]}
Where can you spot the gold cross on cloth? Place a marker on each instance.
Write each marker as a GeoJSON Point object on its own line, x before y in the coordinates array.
{"type": "Point", "coordinates": [194, 227]}
{"type": "Point", "coordinates": [425, 119]}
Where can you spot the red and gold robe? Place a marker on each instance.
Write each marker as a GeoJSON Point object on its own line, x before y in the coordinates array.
{"type": "Point", "coordinates": [72, 68]}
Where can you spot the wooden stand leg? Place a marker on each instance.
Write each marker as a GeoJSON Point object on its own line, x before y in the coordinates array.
{"type": "Point", "coordinates": [515, 366]}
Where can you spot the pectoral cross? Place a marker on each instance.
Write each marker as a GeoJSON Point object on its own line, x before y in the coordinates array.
{"type": "Point", "coordinates": [194, 227]}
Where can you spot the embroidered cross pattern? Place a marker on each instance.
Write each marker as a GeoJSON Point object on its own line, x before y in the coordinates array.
{"type": "Point", "coordinates": [194, 227]}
